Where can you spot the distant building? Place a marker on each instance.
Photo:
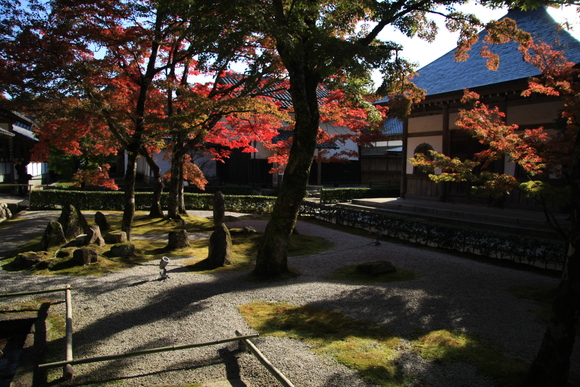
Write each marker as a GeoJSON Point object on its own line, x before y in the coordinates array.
{"type": "Point", "coordinates": [431, 124]}
{"type": "Point", "coordinates": [16, 142]}
{"type": "Point", "coordinates": [253, 169]}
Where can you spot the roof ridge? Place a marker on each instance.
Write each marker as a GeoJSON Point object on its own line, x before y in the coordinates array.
{"type": "Point", "coordinates": [434, 77]}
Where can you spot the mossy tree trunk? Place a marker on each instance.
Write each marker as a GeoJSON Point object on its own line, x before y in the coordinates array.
{"type": "Point", "coordinates": [175, 200]}
{"type": "Point", "coordinates": [272, 259]}
{"type": "Point", "coordinates": [130, 177]}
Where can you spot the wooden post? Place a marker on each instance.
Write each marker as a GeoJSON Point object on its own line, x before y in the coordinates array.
{"type": "Point", "coordinates": [269, 366]}
{"type": "Point", "coordinates": [67, 369]}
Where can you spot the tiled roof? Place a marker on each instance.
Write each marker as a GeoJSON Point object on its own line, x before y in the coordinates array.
{"type": "Point", "coordinates": [445, 74]}
{"type": "Point", "coordinates": [393, 126]}
{"type": "Point", "coordinates": [282, 95]}
{"type": "Point", "coordinates": [24, 132]}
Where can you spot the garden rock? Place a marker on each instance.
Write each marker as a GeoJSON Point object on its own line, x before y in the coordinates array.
{"type": "Point", "coordinates": [73, 222]}
{"type": "Point", "coordinates": [85, 256]}
{"type": "Point", "coordinates": [102, 222]}
{"type": "Point", "coordinates": [178, 240]}
{"type": "Point", "coordinates": [94, 236]}
{"type": "Point", "coordinates": [116, 237]}
{"type": "Point", "coordinates": [220, 241]}
{"type": "Point", "coordinates": [125, 250]}
{"type": "Point", "coordinates": [220, 247]}
{"type": "Point", "coordinates": [376, 268]}
{"type": "Point", "coordinates": [66, 252]}
{"type": "Point", "coordinates": [5, 212]}
{"type": "Point", "coordinates": [24, 261]}
{"type": "Point", "coordinates": [53, 236]}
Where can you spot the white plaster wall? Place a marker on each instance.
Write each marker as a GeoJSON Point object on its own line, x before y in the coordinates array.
{"type": "Point", "coordinates": [413, 142]}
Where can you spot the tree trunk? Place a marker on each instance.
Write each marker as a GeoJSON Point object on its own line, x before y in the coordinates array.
{"type": "Point", "coordinates": [130, 177]}
{"type": "Point", "coordinates": [552, 364]}
{"type": "Point", "coordinates": [272, 258]}
{"type": "Point", "coordinates": [156, 210]}
{"type": "Point", "coordinates": [174, 186]}
{"type": "Point", "coordinates": [180, 199]}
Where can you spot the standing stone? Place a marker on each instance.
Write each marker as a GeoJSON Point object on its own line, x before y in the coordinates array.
{"type": "Point", "coordinates": [102, 222]}
{"type": "Point", "coordinates": [220, 241]}
{"type": "Point", "coordinates": [85, 256]}
{"type": "Point", "coordinates": [73, 222]}
{"type": "Point", "coordinates": [178, 240]}
{"type": "Point", "coordinates": [94, 236]}
{"type": "Point", "coordinates": [53, 236]}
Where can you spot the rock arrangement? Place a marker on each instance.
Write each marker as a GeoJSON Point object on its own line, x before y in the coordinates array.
{"type": "Point", "coordinates": [73, 231]}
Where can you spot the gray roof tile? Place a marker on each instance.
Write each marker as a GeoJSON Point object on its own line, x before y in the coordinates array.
{"type": "Point", "coordinates": [445, 74]}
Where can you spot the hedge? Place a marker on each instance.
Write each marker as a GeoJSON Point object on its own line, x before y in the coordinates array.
{"type": "Point", "coordinates": [114, 200]}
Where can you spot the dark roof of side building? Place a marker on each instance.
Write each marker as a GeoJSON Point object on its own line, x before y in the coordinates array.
{"type": "Point", "coordinates": [280, 94]}
{"type": "Point", "coordinates": [446, 75]}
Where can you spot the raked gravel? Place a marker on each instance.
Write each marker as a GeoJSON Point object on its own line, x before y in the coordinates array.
{"type": "Point", "coordinates": [131, 310]}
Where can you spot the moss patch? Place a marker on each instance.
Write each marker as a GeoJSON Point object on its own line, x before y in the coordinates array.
{"type": "Point", "coordinates": [373, 351]}
{"type": "Point", "coordinates": [351, 274]}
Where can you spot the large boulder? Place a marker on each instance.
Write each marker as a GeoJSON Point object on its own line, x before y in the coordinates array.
{"type": "Point", "coordinates": [53, 236]}
{"type": "Point", "coordinates": [85, 256]}
{"type": "Point", "coordinates": [178, 240]}
{"type": "Point", "coordinates": [24, 261]}
{"type": "Point", "coordinates": [122, 250]}
{"type": "Point", "coordinates": [73, 222]}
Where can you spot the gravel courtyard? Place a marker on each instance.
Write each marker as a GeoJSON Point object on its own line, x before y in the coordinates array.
{"type": "Point", "coordinates": [131, 310]}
